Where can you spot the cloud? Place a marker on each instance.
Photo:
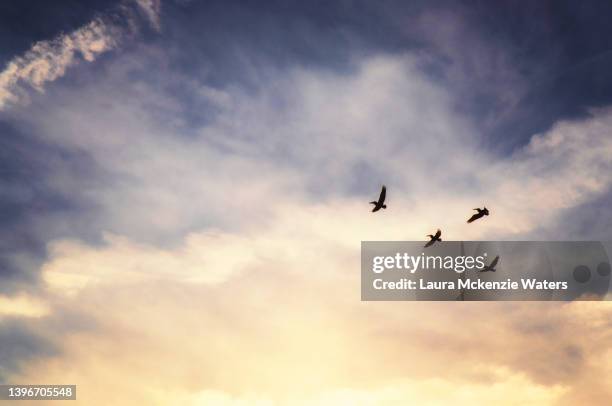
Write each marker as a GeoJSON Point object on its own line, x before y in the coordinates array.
{"type": "Point", "coordinates": [251, 339]}
{"type": "Point", "coordinates": [207, 257]}
{"type": "Point", "coordinates": [230, 251]}
{"type": "Point", "coordinates": [315, 136]}
{"type": "Point", "coordinates": [152, 9]}
{"type": "Point", "coordinates": [307, 149]}
{"type": "Point", "coordinates": [19, 343]}
{"type": "Point", "coordinates": [423, 392]}
{"type": "Point", "coordinates": [22, 306]}
{"type": "Point", "coordinates": [49, 60]}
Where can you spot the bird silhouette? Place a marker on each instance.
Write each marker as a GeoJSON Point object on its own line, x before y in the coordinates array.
{"type": "Point", "coordinates": [491, 267]}
{"type": "Point", "coordinates": [433, 238]}
{"type": "Point", "coordinates": [380, 204]}
{"type": "Point", "coordinates": [481, 213]}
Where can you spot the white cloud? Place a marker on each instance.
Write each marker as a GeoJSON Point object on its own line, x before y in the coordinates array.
{"type": "Point", "coordinates": [209, 257]}
{"type": "Point", "coordinates": [48, 60]}
{"type": "Point", "coordinates": [430, 392]}
{"type": "Point", "coordinates": [309, 137]}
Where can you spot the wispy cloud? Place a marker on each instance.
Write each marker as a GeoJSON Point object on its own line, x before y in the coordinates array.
{"type": "Point", "coordinates": [49, 60]}
{"type": "Point", "coordinates": [152, 9]}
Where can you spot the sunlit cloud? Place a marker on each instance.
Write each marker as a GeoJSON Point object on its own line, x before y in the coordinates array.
{"type": "Point", "coordinates": [23, 306]}
{"type": "Point", "coordinates": [217, 261]}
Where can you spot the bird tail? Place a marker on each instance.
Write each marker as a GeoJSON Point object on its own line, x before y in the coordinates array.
{"type": "Point", "coordinates": [373, 202]}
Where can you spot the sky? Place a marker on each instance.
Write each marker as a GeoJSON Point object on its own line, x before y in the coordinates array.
{"type": "Point", "coordinates": [185, 187]}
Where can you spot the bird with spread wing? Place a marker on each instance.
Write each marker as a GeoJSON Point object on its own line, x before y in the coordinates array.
{"type": "Point", "coordinates": [481, 213]}
{"type": "Point", "coordinates": [491, 266]}
{"type": "Point", "coordinates": [434, 238]}
{"type": "Point", "coordinates": [380, 204]}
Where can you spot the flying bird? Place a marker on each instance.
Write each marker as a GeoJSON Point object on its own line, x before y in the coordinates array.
{"type": "Point", "coordinates": [380, 204]}
{"type": "Point", "coordinates": [481, 213]}
{"type": "Point", "coordinates": [491, 267]}
{"type": "Point", "coordinates": [433, 238]}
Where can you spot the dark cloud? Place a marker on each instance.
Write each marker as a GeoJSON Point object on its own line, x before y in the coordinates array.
{"type": "Point", "coordinates": [513, 69]}
{"type": "Point", "coordinates": [38, 181]}
{"type": "Point", "coordinates": [589, 221]}
{"type": "Point", "coordinates": [516, 69]}
{"type": "Point", "coordinates": [20, 343]}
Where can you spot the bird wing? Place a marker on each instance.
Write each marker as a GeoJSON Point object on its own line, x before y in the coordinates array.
{"type": "Point", "coordinates": [438, 234]}
{"type": "Point", "coordinates": [495, 261]}
{"type": "Point", "coordinates": [429, 243]}
{"type": "Point", "coordinates": [474, 217]}
{"type": "Point", "coordinates": [383, 194]}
